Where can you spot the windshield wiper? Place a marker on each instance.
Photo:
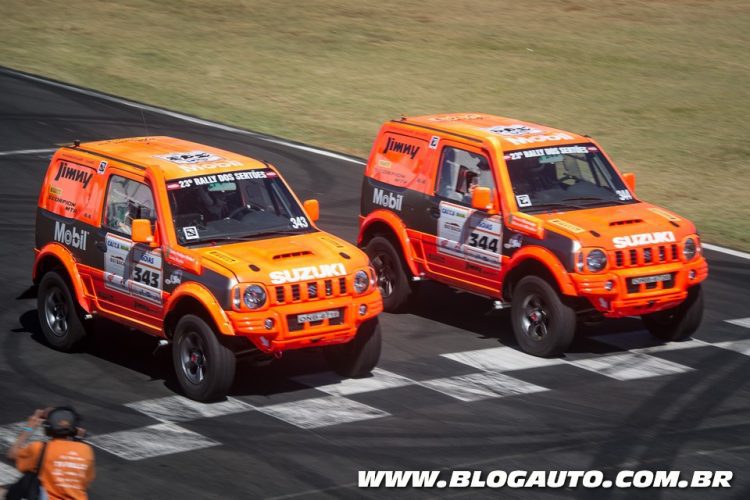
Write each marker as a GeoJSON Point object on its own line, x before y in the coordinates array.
{"type": "Point", "coordinates": [248, 237]}
{"type": "Point", "coordinates": [595, 199]}
{"type": "Point", "coordinates": [546, 206]}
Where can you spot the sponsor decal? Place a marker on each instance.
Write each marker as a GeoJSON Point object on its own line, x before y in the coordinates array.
{"type": "Point", "coordinates": [665, 214]}
{"type": "Point", "coordinates": [74, 174]}
{"type": "Point", "coordinates": [102, 167]}
{"type": "Point", "coordinates": [566, 225]}
{"type": "Point", "coordinates": [387, 199]}
{"type": "Point", "coordinates": [516, 129]}
{"type": "Point", "coordinates": [520, 141]}
{"type": "Point", "coordinates": [550, 155]}
{"type": "Point", "coordinates": [72, 237]}
{"type": "Point", "coordinates": [175, 278]}
{"type": "Point", "coordinates": [307, 273]}
{"type": "Point", "coordinates": [69, 205]}
{"type": "Point", "coordinates": [190, 232]}
{"type": "Point", "coordinates": [384, 163]}
{"type": "Point", "coordinates": [434, 141]}
{"type": "Point", "coordinates": [401, 147]}
{"type": "Point", "coordinates": [205, 180]}
{"type": "Point", "coordinates": [55, 190]}
{"type": "Point", "coordinates": [222, 257]}
{"type": "Point", "coordinates": [189, 157]}
{"type": "Point", "coordinates": [177, 258]}
{"type": "Point", "coordinates": [515, 241]}
{"type": "Point", "coordinates": [624, 194]}
{"type": "Point", "coordinates": [523, 200]}
{"type": "Point", "coordinates": [523, 223]}
{"type": "Point", "coordinates": [635, 240]}
{"type": "Point", "coordinates": [454, 118]}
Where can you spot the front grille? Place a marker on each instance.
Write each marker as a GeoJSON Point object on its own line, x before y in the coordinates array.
{"type": "Point", "coordinates": [636, 257]}
{"type": "Point", "coordinates": [296, 326]}
{"type": "Point", "coordinates": [314, 290]}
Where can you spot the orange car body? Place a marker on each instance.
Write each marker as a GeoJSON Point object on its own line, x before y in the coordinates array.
{"type": "Point", "coordinates": [149, 286]}
{"type": "Point", "coordinates": [483, 250]}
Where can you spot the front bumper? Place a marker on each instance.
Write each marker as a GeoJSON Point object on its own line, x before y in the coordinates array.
{"type": "Point", "coordinates": [287, 333]}
{"type": "Point", "coordinates": [621, 301]}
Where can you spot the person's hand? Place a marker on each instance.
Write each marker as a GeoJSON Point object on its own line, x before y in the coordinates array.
{"type": "Point", "coordinates": [36, 419]}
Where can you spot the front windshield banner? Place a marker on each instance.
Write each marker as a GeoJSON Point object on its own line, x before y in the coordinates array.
{"type": "Point", "coordinates": [234, 206]}
{"type": "Point", "coordinates": [564, 178]}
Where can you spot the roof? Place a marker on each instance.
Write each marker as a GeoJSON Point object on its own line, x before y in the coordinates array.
{"type": "Point", "coordinates": [514, 134]}
{"type": "Point", "coordinates": [176, 158]}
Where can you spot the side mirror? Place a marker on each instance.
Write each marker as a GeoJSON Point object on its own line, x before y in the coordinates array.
{"type": "Point", "coordinates": [629, 179]}
{"type": "Point", "coordinates": [141, 232]}
{"type": "Point", "coordinates": [481, 198]}
{"type": "Point", "coordinates": [312, 207]}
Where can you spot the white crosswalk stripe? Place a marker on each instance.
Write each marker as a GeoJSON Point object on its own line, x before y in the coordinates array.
{"type": "Point", "coordinates": [644, 342]}
{"type": "Point", "coordinates": [322, 412]}
{"type": "Point", "coordinates": [501, 359]}
{"type": "Point", "coordinates": [181, 409]}
{"type": "Point", "coordinates": [336, 385]}
{"type": "Point", "coordinates": [740, 346]}
{"type": "Point", "coordinates": [478, 386]}
{"type": "Point", "coordinates": [629, 366]}
{"type": "Point", "coordinates": [745, 322]}
{"type": "Point", "coordinates": [152, 441]}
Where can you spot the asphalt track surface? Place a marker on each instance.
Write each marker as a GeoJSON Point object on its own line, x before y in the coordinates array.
{"type": "Point", "coordinates": [286, 433]}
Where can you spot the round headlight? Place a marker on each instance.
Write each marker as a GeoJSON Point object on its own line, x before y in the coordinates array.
{"type": "Point", "coordinates": [254, 296]}
{"type": "Point", "coordinates": [596, 260]}
{"type": "Point", "coordinates": [361, 281]}
{"type": "Point", "coordinates": [690, 249]}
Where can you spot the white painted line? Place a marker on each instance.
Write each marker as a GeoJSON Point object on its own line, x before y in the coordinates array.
{"type": "Point", "coordinates": [336, 385]}
{"type": "Point", "coordinates": [26, 152]}
{"type": "Point", "coordinates": [644, 342]}
{"type": "Point", "coordinates": [740, 322]}
{"type": "Point", "coordinates": [630, 366]}
{"type": "Point", "coordinates": [728, 251]}
{"type": "Point", "coordinates": [180, 116]}
{"type": "Point", "coordinates": [501, 359]}
{"type": "Point", "coordinates": [740, 346]}
{"type": "Point", "coordinates": [322, 412]}
{"type": "Point", "coordinates": [478, 386]}
{"type": "Point", "coordinates": [180, 409]}
{"type": "Point", "coordinates": [8, 474]}
{"type": "Point", "coordinates": [152, 441]}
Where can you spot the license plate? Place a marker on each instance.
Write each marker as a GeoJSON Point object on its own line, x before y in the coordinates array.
{"type": "Point", "coordinates": [651, 279]}
{"type": "Point", "coordinates": [318, 316]}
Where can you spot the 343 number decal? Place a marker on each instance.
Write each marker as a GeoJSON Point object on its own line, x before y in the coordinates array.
{"type": "Point", "coordinates": [147, 277]}
{"type": "Point", "coordinates": [299, 222]}
{"type": "Point", "coordinates": [484, 242]}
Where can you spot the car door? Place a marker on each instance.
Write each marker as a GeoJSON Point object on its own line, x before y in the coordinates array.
{"type": "Point", "coordinates": [466, 246]}
{"type": "Point", "coordinates": [131, 281]}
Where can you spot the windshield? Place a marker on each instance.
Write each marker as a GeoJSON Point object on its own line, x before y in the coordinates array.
{"type": "Point", "coordinates": [234, 206]}
{"type": "Point", "coordinates": [564, 177]}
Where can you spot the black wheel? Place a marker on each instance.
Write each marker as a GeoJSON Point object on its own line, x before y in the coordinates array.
{"type": "Point", "coordinates": [59, 315]}
{"type": "Point", "coordinates": [205, 368]}
{"type": "Point", "coordinates": [678, 323]}
{"type": "Point", "coordinates": [393, 280]}
{"type": "Point", "coordinates": [543, 325]}
{"type": "Point", "coordinates": [359, 356]}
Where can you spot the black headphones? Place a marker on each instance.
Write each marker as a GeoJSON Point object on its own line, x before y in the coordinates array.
{"type": "Point", "coordinates": [62, 421]}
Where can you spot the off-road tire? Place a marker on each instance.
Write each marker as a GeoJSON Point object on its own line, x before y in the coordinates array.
{"type": "Point", "coordinates": [204, 367]}
{"type": "Point", "coordinates": [59, 314]}
{"type": "Point", "coordinates": [392, 278]}
{"type": "Point", "coordinates": [680, 322]}
{"type": "Point", "coordinates": [360, 355]}
{"type": "Point", "coordinates": [542, 324]}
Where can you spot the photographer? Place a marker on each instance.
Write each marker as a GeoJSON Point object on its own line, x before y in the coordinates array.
{"type": "Point", "coordinates": [67, 467]}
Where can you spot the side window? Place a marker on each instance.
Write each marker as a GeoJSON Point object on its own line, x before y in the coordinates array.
{"type": "Point", "coordinates": [460, 172]}
{"type": "Point", "coordinates": [127, 200]}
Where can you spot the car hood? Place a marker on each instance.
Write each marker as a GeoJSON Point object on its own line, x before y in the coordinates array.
{"type": "Point", "coordinates": [287, 259]}
{"type": "Point", "coordinates": [620, 227]}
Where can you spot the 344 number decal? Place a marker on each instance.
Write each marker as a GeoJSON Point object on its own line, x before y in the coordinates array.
{"type": "Point", "coordinates": [147, 277]}
{"type": "Point", "coordinates": [484, 242]}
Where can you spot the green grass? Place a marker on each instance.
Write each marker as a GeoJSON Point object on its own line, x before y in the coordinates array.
{"type": "Point", "coordinates": [663, 85]}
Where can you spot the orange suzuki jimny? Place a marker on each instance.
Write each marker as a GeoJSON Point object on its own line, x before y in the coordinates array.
{"type": "Point", "coordinates": [205, 248]}
{"type": "Point", "coordinates": [535, 218]}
